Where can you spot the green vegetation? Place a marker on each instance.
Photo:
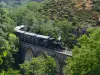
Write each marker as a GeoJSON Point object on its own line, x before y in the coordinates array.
{"type": "Point", "coordinates": [42, 65]}
{"type": "Point", "coordinates": [85, 60]}
{"type": "Point", "coordinates": [54, 18]}
{"type": "Point", "coordinates": [10, 72]}
{"type": "Point", "coordinates": [96, 5]}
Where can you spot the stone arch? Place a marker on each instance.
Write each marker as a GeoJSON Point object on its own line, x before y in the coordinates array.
{"type": "Point", "coordinates": [29, 54]}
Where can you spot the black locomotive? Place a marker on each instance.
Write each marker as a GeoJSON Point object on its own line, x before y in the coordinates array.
{"type": "Point", "coordinates": [38, 40]}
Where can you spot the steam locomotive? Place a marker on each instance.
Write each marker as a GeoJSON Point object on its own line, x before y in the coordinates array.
{"type": "Point", "coordinates": [38, 40]}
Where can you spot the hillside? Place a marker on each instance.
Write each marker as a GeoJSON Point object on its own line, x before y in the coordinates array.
{"type": "Point", "coordinates": [60, 24]}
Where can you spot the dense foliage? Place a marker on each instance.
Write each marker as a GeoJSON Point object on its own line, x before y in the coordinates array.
{"type": "Point", "coordinates": [52, 18]}
{"type": "Point", "coordinates": [85, 60]}
{"type": "Point", "coordinates": [42, 65]}
{"type": "Point", "coordinates": [8, 42]}
{"type": "Point", "coordinates": [10, 72]}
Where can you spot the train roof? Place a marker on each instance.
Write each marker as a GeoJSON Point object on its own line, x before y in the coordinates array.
{"type": "Point", "coordinates": [19, 27]}
{"type": "Point", "coordinates": [20, 31]}
{"type": "Point", "coordinates": [42, 36]}
{"type": "Point", "coordinates": [28, 33]}
{"type": "Point", "coordinates": [37, 35]}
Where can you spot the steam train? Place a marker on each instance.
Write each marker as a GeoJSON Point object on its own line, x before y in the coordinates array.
{"type": "Point", "coordinates": [38, 40]}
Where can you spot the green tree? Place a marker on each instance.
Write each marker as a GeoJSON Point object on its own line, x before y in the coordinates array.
{"type": "Point", "coordinates": [65, 29]}
{"type": "Point", "coordinates": [86, 59]}
{"type": "Point", "coordinates": [58, 9]}
{"type": "Point", "coordinates": [96, 5]}
{"type": "Point", "coordinates": [8, 42]}
{"type": "Point", "coordinates": [27, 14]}
{"type": "Point", "coordinates": [10, 72]}
{"type": "Point", "coordinates": [40, 66]}
{"type": "Point", "coordinates": [7, 50]}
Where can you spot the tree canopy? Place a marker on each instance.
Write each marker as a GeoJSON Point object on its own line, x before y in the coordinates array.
{"type": "Point", "coordinates": [85, 60]}
{"type": "Point", "coordinates": [42, 65]}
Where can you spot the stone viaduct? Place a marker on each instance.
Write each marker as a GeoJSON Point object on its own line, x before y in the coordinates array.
{"type": "Point", "coordinates": [28, 51]}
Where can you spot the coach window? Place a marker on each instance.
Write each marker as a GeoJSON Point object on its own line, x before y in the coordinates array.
{"type": "Point", "coordinates": [32, 39]}
{"type": "Point", "coordinates": [21, 37]}
{"type": "Point", "coordinates": [25, 38]}
{"type": "Point", "coordinates": [41, 40]}
{"type": "Point", "coordinates": [45, 43]}
{"type": "Point", "coordinates": [36, 41]}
